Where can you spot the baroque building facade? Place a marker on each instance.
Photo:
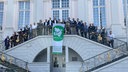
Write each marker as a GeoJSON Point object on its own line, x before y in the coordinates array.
{"type": "Point", "coordinates": [111, 14]}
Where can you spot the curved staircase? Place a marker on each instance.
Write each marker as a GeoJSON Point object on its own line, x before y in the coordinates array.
{"type": "Point", "coordinates": [105, 58]}
{"type": "Point", "coordinates": [13, 64]}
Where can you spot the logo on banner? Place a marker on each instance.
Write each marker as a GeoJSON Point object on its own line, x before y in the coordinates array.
{"type": "Point", "coordinates": [58, 35]}
{"type": "Point", "coordinates": [58, 32]}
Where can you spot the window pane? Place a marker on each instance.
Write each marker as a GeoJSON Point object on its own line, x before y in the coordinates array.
{"type": "Point", "coordinates": [1, 18]}
{"type": "Point", "coordinates": [27, 5]}
{"type": "Point", "coordinates": [102, 2]}
{"type": "Point", "coordinates": [96, 16]}
{"type": "Point", "coordinates": [1, 14]}
{"type": "Point", "coordinates": [102, 16]}
{"type": "Point", "coordinates": [99, 13]}
{"type": "Point", "coordinates": [21, 5]}
{"type": "Point", "coordinates": [56, 14]}
{"type": "Point", "coordinates": [65, 14]}
{"type": "Point", "coordinates": [55, 3]}
{"type": "Point", "coordinates": [65, 3]}
{"type": "Point", "coordinates": [1, 6]}
{"type": "Point", "coordinates": [27, 17]}
{"type": "Point", "coordinates": [95, 2]}
{"type": "Point", "coordinates": [21, 15]}
{"type": "Point", "coordinates": [24, 13]}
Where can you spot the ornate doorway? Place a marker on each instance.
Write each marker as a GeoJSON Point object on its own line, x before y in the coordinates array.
{"type": "Point", "coordinates": [58, 62]}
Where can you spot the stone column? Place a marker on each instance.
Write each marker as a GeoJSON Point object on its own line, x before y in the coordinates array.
{"type": "Point", "coordinates": [117, 16]}
{"type": "Point", "coordinates": [8, 21]}
{"type": "Point", "coordinates": [47, 9]}
{"type": "Point", "coordinates": [67, 54]}
{"type": "Point", "coordinates": [127, 29]}
{"type": "Point", "coordinates": [90, 11]}
{"type": "Point", "coordinates": [48, 55]}
{"type": "Point", "coordinates": [82, 9]}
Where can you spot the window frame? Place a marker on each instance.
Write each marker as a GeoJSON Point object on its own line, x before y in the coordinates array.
{"type": "Point", "coordinates": [60, 9]}
{"type": "Point", "coordinates": [102, 18]}
{"type": "Point", "coordinates": [24, 10]}
{"type": "Point", "coordinates": [2, 17]}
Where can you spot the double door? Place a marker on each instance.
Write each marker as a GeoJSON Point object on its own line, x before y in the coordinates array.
{"type": "Point", "coordinates": [58, 63]}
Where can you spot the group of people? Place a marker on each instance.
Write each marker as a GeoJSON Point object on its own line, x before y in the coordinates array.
{"type": "Point", "coordinates": [73, 27]}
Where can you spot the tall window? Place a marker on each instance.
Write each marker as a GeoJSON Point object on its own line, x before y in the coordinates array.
{"type": "Point", "coordinates": [60, 9]}
{"type": "Point", "coordinates": [65, 3]}
{"type": "Point", "coordinates": [65, 14]}
{"type": "Point", "coordinates": [56, 14]}
{"type": "Point", "coordinates": [125, 8]}
{"type": "Point", "coordinates": [24, 14]}
{"type": "Point", "coordinates": [99, 13]}
{"type": "Point", "coordinates": [55, 3]}
{"type": "Point", "coordinates": [1, 14]}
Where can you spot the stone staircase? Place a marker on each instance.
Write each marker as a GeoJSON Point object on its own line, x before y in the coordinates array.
{"type": "Point", "coordinates": [92, 59]}
{"type": "Point", "coordinates": [117, 53]}
{"type": "Point", "coordinates": [29, 50]}
{"type": "Point", "coordinates": [13, 64]}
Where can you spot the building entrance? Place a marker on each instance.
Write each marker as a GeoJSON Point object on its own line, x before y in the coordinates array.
{"type": "Point", "coordinates": [58, 62]}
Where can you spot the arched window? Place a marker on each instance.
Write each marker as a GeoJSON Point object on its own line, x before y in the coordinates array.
{"type": "Point", "coordinates": [99, 12]}
{"type": "Point", "coordinates": [24, 14]}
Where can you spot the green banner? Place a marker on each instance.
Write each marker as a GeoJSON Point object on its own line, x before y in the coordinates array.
{"type": "Point", "coordinates": [58, 35]}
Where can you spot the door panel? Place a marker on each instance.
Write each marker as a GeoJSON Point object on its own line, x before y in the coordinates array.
{"type": "Point", "coordinates": [58, 63]}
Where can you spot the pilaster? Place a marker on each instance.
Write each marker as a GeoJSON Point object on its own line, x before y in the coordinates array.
{"type": "Point", "coordinates": [117, 23]}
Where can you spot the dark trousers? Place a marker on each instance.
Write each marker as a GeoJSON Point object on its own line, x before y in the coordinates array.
{"type": "Point", "coordinates": [85, 34]}
{"type": "Point", "coordinates": [111, 43]}
{"type": "Point", "coordinates": [6, 47]}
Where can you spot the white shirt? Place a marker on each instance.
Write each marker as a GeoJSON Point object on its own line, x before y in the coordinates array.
{"type": "Point", "coordinates": [34, 26]}
{"type": "Point", "coordinates": [45, 24]}
{"type": "Point", "coordinates": [111, 36]}
{"type": "Point", "coordinates": [50, 22]}
{"type": "Point", "coordinates": [55, 21]}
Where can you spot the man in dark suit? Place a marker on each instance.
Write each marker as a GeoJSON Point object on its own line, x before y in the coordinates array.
{"type": "Point", "coordinates": [40, 28]}
{"type": "Point", "coordinates": [78, 24]}
{"type": "Point", "coordinates": [45, 27]}
{"type": "Point", "coordinates": [50, 24]}
{"type": "Point", "coordinates": [54, 21]}
{"type": "Point", "coordinates": [73, 26]}
{"type": "Point", "coordinates": [7, 43]}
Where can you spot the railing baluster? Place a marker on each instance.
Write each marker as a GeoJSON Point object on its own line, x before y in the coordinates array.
{"type": "Point", "coordinates": [120, 49]}
{"type": "Point", "coordinates": [13, 61]}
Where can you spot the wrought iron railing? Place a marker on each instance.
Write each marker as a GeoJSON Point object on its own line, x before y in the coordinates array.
{"type": "Point", "coordinates": [46, 31]}
{"type": "Point", "coordinates": [12, 62]}
{"type": "Point", "coordinates": [2, 46]}
{"type": "Point", "coordinates": [118, 52]}
{"type": "Point", "coordinates": [117, 42]}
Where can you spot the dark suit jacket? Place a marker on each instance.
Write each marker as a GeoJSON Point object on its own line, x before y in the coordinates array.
{"type": "Point", "coordinates": [54, 21]}
{"type": "Point", "coordinates": [49, 22]}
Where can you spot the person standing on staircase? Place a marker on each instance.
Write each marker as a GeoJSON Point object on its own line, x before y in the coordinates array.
{"type": "Point", "coordinates": [111, 37]}
{"type": "Point", "coordinates": [7, 42]}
